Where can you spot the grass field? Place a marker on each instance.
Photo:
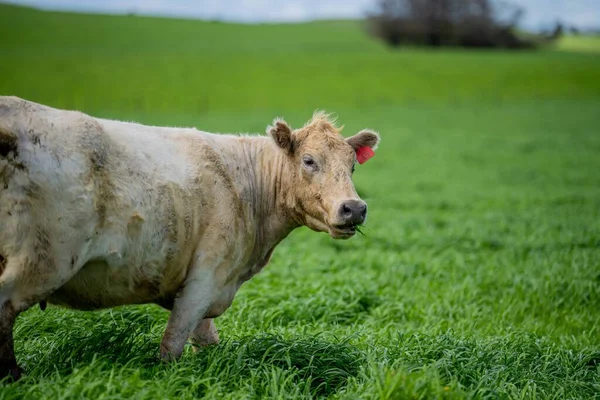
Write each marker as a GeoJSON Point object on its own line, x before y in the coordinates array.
{"type": "Point", "coordinates": [478, 277]}
{"type": "Point", "coordinates": [586, 44]}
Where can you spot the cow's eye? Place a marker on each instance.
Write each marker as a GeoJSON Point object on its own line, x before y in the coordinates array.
{"type": "Point", "coordinates": [309, 162]}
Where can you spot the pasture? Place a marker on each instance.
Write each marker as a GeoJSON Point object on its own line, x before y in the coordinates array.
{"type": "Point", "coordinates": [479, 272]}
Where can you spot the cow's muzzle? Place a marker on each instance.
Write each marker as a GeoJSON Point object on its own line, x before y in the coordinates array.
{"type": "Point", "coordinates": [350, 214]}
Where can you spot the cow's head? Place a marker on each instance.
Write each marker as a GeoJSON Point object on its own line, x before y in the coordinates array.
{"type": "Point", "coordinates": [319, 164]}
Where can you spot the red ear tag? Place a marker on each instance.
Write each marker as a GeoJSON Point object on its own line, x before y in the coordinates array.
{"type": "Point", "coordinates": [363, 154]}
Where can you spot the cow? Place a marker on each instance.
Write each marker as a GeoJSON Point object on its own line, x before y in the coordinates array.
{"type": "Point", "coordinates": [98, 213]}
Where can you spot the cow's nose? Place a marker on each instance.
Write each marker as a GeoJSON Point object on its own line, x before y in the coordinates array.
{"type": "Point", "coordinates": [353, 212]}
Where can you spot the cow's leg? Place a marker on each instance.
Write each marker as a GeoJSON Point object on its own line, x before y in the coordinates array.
{"type": "Point", "coordinates": [8, 361]}
{"type": "Point", "coordinates": [25, 281]}
{"type": "Point", "coordinates": [189, 308]}
{"type": "Point", "coordinates": [8, 315]}
{"type": "Point", "coordinates": [205, 334]}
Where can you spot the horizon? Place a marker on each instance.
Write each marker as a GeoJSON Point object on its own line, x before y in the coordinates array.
{"type": "Point", "coordinates": [539, 15]}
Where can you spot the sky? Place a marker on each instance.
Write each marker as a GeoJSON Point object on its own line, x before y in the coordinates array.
{"type": "Point", "coordinates": [539, 13]}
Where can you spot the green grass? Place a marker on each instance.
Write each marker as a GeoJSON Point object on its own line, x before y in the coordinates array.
{"type": "Point", "coordinates": [585, 44]}
{"type": "Point", "coordinates": [478, 277]}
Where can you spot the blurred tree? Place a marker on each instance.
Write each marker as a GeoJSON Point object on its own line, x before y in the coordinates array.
{"type": "Point", "coordinates": [468, 23]}
{"type": "Point", "coordinates": [558, 31]}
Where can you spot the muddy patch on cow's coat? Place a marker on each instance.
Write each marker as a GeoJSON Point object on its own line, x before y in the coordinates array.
{"type": "Point", "coordinates": [219, 169]}
{"type": "Point", "coordinates": [99, 150]}
{"type": "Point", "coordinates": [35, 137]}
{"type": "Point", "coordinates": [8, 144]}
{"type": "Point", "coordinates": [4, 110]}
{"type": "Point", "coordinates": [43, 252]}
{"type": "Point", "coordinates": [180, 207]}
{"type": "Point", "coordinates": [9, 157]}
{"type": "Point", "coordinates": [170, 221]}
{"type": "Point", "coordinates": [2, 264]}
{"type": "Point", "coordinates": [215, 164]}
{"type": "Point", "coordinates": [134, 226]}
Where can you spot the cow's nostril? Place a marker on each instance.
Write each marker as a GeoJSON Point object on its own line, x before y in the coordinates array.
{"type": "Point", "coordinates": [346, 210]}
{"type": "Point", "coordinates": [353, 212]}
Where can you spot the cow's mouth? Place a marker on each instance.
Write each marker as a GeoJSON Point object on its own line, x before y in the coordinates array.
{"type": "Point", "coordinates": [343, 231]}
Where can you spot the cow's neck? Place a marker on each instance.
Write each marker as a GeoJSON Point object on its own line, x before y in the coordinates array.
{"type": "Point", "coordinates": [258, 170]}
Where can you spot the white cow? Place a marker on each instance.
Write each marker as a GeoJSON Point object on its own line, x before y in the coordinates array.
{"type": "Point", "coordinates": [97, 213]}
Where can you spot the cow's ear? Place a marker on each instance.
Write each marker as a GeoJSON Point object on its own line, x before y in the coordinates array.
{"type": "Point", "coordinates": [281, 133]}
{"type": "Point", "coordinates": [364, 144]}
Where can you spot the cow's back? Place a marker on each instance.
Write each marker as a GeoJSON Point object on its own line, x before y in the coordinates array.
{"type": "Point", "coordinates": [120, 202]}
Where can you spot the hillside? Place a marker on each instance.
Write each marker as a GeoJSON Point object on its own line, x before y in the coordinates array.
{"type": "Point", "coordinates": [141, 66]}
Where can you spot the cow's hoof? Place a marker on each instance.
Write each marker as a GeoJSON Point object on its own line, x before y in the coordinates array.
{"type": "Point", "coordinates": [165, 356]}
{"type": "Point", "coordinates": [168, 355]}
{"type": "Point", "coordinates": [205, 334]}
{"type": "Point", "coordinates": [9, 370]}
{"type": "Point", "coordinates": [210, 340]}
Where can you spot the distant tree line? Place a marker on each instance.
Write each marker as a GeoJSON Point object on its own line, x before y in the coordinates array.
{"type": "Point", "coordinates": [465, 23]}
